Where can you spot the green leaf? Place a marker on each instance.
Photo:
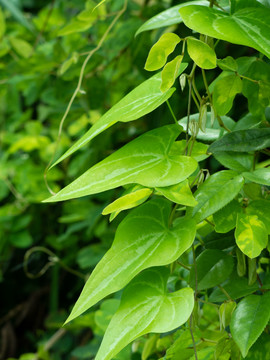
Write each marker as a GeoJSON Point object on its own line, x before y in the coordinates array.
{"type": "Point", "coordinates": [227, 64]}
{"type": "Point", "coordinates": [249, 320]}
{"type": "Point", "coordinates": [22, 47]}
{"type": "Point", "coordinates": [197, 149]}
{"type": "Point", "coordinates": [2, 24]}
{"type": "Point", "coordinates": [250, 234]}
{"type": "Point", "coordinates": [249, 26]}
{"type": "Point", "coordinates": [212, 268]}
{"type": "Point", "coordinates": [146, 299]}
{"type": "Point", "coordinates": [260, 208]}
{"type": "Point", "coordinates": [145, 160]}
{"type": "Point", "coordinates": [142, 240]}
{"type": "Point", "coordinates": [225, 90]}
{"type": "Point", "coordinates": [142, 100]}
{"type": "Point", "coordinates": [128, 201]}
{"type": "Point", "coordinates": [259, 176]}
{"type": "Point", "coordinates": [225, 312]}
{"type": "Point", "coordinates": [167, 18]}
{"type": "Point", "coordinates": [159, 52]}
{"type": "Point", "coordinates": [216, 192]}
{"type": "Point", "coordinates": [201, 53]}
{"type": "Point", "coordinates": [17, 14]}
{"type": "Point", "coordinates": [225, 218]}
{"type": "Point", "coordinates": [104, 315]}
{"type": "Point", "coordinates": [179, 193]}
{"type": "Point", "coordinates": [170, 73]}
{"type": "Point", "coordinates": [242, 141]}
{"type": "Point", "coordinates": [235, 161]}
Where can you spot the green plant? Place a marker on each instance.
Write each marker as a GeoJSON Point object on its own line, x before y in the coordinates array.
{"type": "Point", "coordinates": [207, 233]}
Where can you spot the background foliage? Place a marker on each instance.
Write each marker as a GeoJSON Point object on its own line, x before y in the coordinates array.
{"type": "Point", "coordinates": [49, 250]}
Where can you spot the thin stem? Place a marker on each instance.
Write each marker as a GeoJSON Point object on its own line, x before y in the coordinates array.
{"type": "Point", "coordinates": [189, 101]}
{"type": "Point", "coordinates": [196, 90]}
{"type": "Point", "coordinates": [172, 113]}
{"type": "Point", "coordinates": [78, 88]}
{"type": "Point", "coordinates": [183, 265]}
{"type": "Point", "coordinates": [206, 86]}
{"type": "Point", "coordinates": [192, 336]}
{"type": "Point", "coordinates": [247, 78]}
{"type": "Point", "coordinates": [195, 100]}
{"type": "Point", "coordinates": [225, 292]}
{"type": "Point", "coordinates": [172, 214]}
{"type": "Point", "coordinates": [195, 271]}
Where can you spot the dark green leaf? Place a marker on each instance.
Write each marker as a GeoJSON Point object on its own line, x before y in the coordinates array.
{"type": "Point", "coordinates": [225, 218]}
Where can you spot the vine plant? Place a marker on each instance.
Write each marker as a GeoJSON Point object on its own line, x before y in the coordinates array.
{"type": "Point", "coordinates": [194, 241]}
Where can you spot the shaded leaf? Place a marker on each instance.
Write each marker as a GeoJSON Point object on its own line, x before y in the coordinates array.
{"type": "Point", "coordinates": [145, 160]}
{"type": "Point", "coordinates": [235, 161]}
{"type": "Point", "coordinates": [227, 64]}
{"type": "Point", "coordinates": [245, 328]}
{"type": "Point", "coordinates": [225, 218]}
{"type": "Point", "coordinates": [146, 299]}
{"type": "Point", "coordinates": [159, 52]}
{"type": "Point", "coordinates": [142, 240]}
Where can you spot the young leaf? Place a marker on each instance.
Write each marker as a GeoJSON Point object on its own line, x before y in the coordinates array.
{"type": "Point", "coordinates": [216, 192]}
{"type": "Point", "coordinates": [225, 218]}
{"type": "Point", "coordinates": [242, 141]}
{"type": "Point", "coordinates": [212, 268]}
{"type": "Point", "coordinates": [128, 201]}
{"type": "Point", "coordinates": [142, 100]}
{"type": "Point", "coordinates": [225, 312]}
{"type": "Point", "coordinates": [250, 234]}
{"type": "Point", "coordinates": [249, 320]}
{"type": "Point", "coordinates": [170, 72]}
{"type": "Point", "coordinates": [160, 51]}
{"type": "Point", "coordinates": [142, 240]}
{"type": "Point", "coordinates": [145, 160]}
{"type": "Point", "coordinates": [260, 208]}
{"type": "Point", "coordinates": [146, 299]}
{"type": "Point", "coordinates": [224, 93]}
{"type": "Point", "coordinates": [197, 149]}
{"type": "Point", "coordinates": [167, 18]}
{"type": "Point", "coordinates": [249, 26]}
{"type": "Point", "coordinates": [259, 176]}
{"type": "Point", "coordinates": [179, 193]}
{"type": "Point", "coordinates": [201, 53]}
{"type": "Point", "coordinates": [227, 64]}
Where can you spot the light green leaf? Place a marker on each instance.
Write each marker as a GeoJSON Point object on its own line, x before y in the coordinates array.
{"type": "Point", "coordinates": [249, 26]}
{"type": "Point", "coordinates": [197, 149]}
{"type": "Point", "coordinates": [201, 53]}
{"type": "Point", "coordinates": [167, 18]}
{"type": "Point", "coordinates": [250, 234]}
{"type": "Point", "coordinates": [75, 26]}
{"type": "Point", "coordinates": [212, 268]}
{"type": "Point", "coordinates": [146, 299]}
{"type": "Point", "coordinates": [259, 176]}
{"type": "Point", "coordinates": [227, 64]}
{"type": "Point", "coordinates": [21, 47]}
{"type": "Point", "coordinates": [249, 320]}
{"type": "Point", "coordinates": [225, 312]}
{"type": "Point", "coordinates": [142, 240]}
{"type": "Point", "coordinates": [225, 218]}
{"type": "Point", "coordinates": [145, 160]}
{"type": "Point", "coordinates": [128, 201]}
{"type": "Point", "coordinates": [179, 193]}
{"type": "Point", "coordinates": [216, 192]}
{"type": "Point", "coordinates": [235, 161]}
{"type": "Point", "coordinates": [142, 100]}
{"type": "Point", "coordinates": [2, 24]}
{"type": "Point", "coordinates": [159, 52]}
{"type": "Point", "coordinates": [170, 73]}
{"type": "Point", "coordinates": [104, 315]}
{"type": "Point", "coordinates": [261, 208]}
{"type": "Point", "coordinates": [224, 93]}
{"type": "Point", "coordinates": [242, 141]}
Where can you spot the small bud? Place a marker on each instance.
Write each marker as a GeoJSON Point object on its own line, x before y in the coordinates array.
{"type": "Point", "coordinates": [203, 117]}
{"type": "Point", "coordinates": [183, 80]}
{"type": "Point", "coordinates": [193, 128]}
{"type": "Point", "coordinates": [213, 116]}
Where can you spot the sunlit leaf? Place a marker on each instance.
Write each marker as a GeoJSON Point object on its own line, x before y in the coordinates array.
{"type": "Point", "coordinates": [170, 72]}
{"type": "Point", "coordinates": [179, 193]}
{"type": "Point", "coordinates": [201, 54]}
{"type": "Point", "coordinates": [259, 176]}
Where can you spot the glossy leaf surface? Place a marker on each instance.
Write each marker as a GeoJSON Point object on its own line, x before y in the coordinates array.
{"type": "Point", "coordinates": [145, 160]}
{"type": "Point", "coordinates": [249, 26]}
{"type": "Point", "coordinates": [142, 240]}
{"type": "Point", "coordinates": [142, 100]}
{"type": "Point", "coordinates": [249, 320]}
{"type": "Point", "coordinates": [179, 193]}
{"type": "Point", "coordinates": [160, 51]}
{"type": "Point", "coordinates": [250, 234]}
{"type": "Point", "coordinates": [259, 176]}
{"type": "Point", "coordinates": [216, 192]}
{"type": "Point", "coordinates": [260, 208]}
{"type": "Point", "coordinates": [201, 54]}
{"type": "Point", "coordinates": [146, 307]}
{"type": "Point", "coordinates": [242, 141]}
{"type": "Point", "coordinates": [213, 267]}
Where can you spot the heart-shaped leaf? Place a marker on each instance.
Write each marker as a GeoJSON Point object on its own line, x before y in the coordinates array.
{"type": "Point", "coordinates": [146, 307]}
{"type": "Point", "coordinates": [249, 320]}
{"type": "Point", "coordinates": [142, 240]}
{"type": "Point", "coordinates": [248, 26]}
{"type": "Point", "coordinates": [142, 100]}
{"type": "Point", "coordinates": [145, 160]}
{"type": "Point", "coordinates": [250, 234]}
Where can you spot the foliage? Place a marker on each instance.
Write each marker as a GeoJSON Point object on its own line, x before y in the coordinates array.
{"type": "Point", "coordinates": [187, 268]}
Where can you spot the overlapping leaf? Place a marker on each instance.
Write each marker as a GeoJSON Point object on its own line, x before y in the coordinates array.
{"type": "Point", "coordinates": [146, 307]}
{"type": "Point", "coordinates": [248, 26]}
{"type": "Point", "coordinates": [259, 176]}
{"type": "Point", "coordinates": [249, 320]}
{"type": "Point", "coordinates": [179, 193]}
{"type": "Point", "coordinates": [201, 53]}
{"type": "Point", "coordinates": [142, 100]}
{"type": "Point", "coordinates": [145, 160]}
{"type": "Point", "coordinates": [142, 240]}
